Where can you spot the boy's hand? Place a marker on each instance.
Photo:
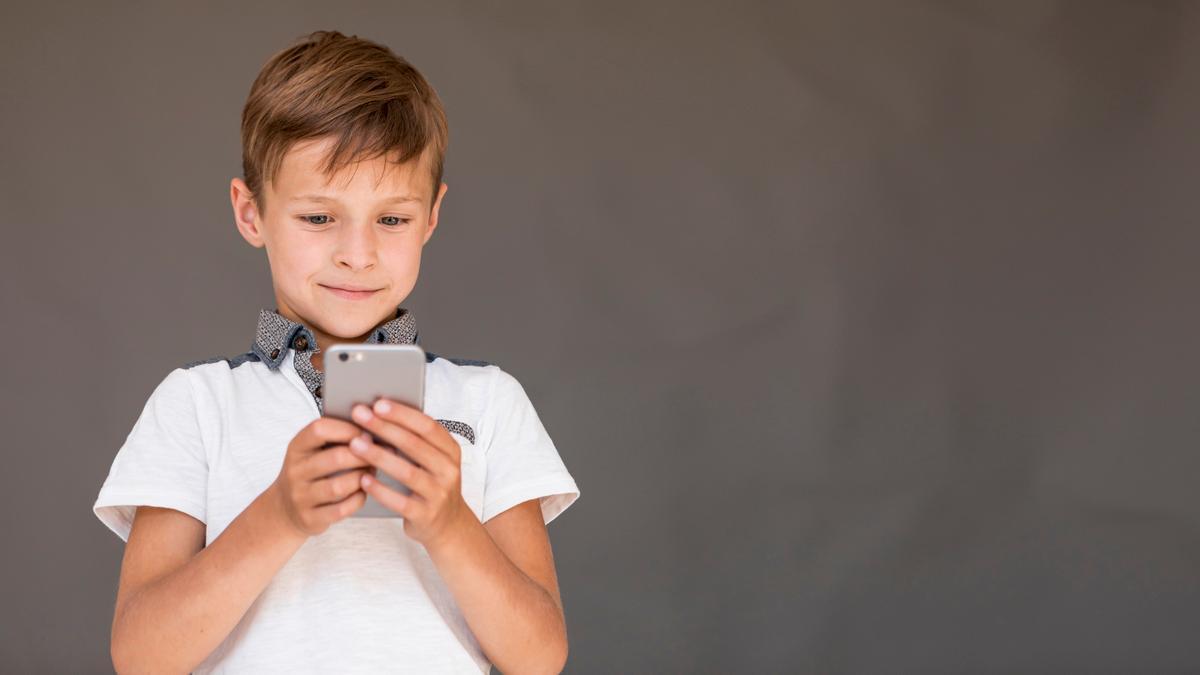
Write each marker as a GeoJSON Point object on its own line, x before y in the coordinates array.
{"type": "Point", "coordinates": [311, 499]}
{"type": "Point", "coordinates": [436, 507]}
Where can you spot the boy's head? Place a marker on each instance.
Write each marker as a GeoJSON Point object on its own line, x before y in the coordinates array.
{"type": "Point", "coordinates": [342, 154]}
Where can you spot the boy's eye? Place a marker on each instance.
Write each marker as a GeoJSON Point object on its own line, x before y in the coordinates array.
{"type": "Point", "coordinates": [389, 220]}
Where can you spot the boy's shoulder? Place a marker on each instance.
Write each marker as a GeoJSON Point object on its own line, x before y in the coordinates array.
{"type": "Point", "coordinates": [430, 357]}
{"type": "Point", "coordinates": [232, 361]}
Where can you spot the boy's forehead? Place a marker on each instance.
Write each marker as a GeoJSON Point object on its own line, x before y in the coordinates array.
{"type": "Point", "coordinates": [301, 172]}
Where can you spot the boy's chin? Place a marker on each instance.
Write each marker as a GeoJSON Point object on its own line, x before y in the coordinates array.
{"type": "Point", "coordinates": [354, 320]}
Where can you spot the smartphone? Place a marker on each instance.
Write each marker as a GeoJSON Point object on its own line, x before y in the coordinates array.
{"type": "Point", "coordinates": [362, 373]}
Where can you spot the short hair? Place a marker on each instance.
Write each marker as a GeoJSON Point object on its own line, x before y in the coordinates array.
{"type": "Point", "coordinates": [374, 102]}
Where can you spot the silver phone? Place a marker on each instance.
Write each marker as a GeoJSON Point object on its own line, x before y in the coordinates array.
{"type": "Point", "coordinates": [362, 373]}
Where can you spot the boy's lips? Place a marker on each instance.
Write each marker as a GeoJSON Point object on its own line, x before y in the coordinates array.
{"type": "Point", "coordinates": [348, 294]}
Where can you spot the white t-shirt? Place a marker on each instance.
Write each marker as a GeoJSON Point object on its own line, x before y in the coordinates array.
{"type": "Point", "coordinates": [362, 596]}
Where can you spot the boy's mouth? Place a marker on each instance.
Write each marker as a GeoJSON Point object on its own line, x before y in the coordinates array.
{"type": "Point", "coordinates": [347, 294]}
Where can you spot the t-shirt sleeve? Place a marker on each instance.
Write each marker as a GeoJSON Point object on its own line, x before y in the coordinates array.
{"type": "Point", "coordinates": [162, 462]}
{"type": "Point", "coordinates": [522, 462]}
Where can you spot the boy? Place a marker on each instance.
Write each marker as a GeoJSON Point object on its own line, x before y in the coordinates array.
{"type": "Point", "coordinates": [241, 554]}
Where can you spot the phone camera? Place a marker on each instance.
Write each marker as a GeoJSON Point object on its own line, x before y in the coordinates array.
{"type": "Point", "coordinates": [344, 356]}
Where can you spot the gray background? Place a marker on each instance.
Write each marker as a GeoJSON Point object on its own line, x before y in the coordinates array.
{"type": "Point", "coordinates": [868, 330]}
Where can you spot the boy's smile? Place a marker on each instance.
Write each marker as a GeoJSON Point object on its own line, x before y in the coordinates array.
{"type": "Point", "coordinates": [344, 252]}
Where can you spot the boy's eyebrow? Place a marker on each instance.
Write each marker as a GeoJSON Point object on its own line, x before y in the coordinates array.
{"type": "Point", "coordinates": [387, 200]}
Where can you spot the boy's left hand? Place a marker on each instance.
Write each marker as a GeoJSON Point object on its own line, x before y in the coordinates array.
{"type": "Point", "coordinates": [436, 508]}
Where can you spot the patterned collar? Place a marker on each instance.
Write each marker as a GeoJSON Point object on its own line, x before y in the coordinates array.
{"type": "Point", "coordinates": [275, 334]}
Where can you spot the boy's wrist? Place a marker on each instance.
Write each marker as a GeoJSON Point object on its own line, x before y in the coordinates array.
{"type": "Point", "coordinates": [277, 516]}
{"type": "Point", "coordinates": [455, 536]}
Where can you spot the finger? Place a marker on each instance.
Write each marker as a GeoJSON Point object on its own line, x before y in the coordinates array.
{"type": "Point", "coordinates": [325, 431]}
{"type": "Point", "coordinates": [334, 512]}
{"type": "Point", "coordinates": [416, 478]}
{"type": "Point", "coordinates": [417, 422]}
{"type": "Point", "coordinates": [407, 506]}
{"type": "Point", "coordinates": [329, 460]}
{"type": "Point", "coordinates": [416, 447]}
{"type": "Point", "coordinates": [419, 451]}
{"type": "Point", "coordinates": [335, 488]}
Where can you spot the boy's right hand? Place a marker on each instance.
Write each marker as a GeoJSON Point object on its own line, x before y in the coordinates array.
{"type": "Point", "coordinates": [311, 499]}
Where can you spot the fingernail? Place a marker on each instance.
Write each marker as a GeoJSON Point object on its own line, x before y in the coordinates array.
{"type": "Point", "coordinates": [382, 407]}
{"type": "Point", "coordinates": [362, 413]}
{"type": "Point", "coordinates": [358, 444]}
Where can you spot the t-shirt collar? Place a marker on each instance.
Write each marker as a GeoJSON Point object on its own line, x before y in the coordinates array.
{"type": "Point", "coordinates": [275, 334]}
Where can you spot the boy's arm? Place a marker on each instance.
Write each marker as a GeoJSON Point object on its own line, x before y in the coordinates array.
{"type": "Point", "coordinates": [502, 576]}
{"type": "Point", "coordinates": [173, 622]}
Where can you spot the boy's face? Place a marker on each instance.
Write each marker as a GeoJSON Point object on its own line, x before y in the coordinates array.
{"type": "Point", "coordinates": [352, 231]}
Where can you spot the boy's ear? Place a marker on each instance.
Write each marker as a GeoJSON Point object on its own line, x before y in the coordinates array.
{"type": "Point", "coordinates": [433, 213]}
{"type": "Point", "coordinates": [245, 213]}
